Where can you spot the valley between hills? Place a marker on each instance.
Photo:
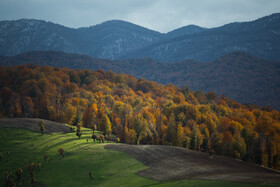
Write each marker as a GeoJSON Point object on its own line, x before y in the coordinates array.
{"type": "Point", "coordinates": [117, 104]}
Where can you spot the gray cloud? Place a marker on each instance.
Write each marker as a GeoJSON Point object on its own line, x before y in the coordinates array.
{"type": "Point", "coordinates": [160, 15]}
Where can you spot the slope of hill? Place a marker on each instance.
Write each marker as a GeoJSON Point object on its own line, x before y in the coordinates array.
{"type": "Point", "coordinates": [141, 111]}
{"type": "Point", "coordinates": [108, 167]}
{"type": "Point", "coordinates": [238, 75]}
{"type": "Point", "coordinates": [170, 163]}
{"type": "Point", "coordinates": [80, 157]}
{"type": "Point", "coordinates": [33, 124]}
{"type": "Point", "coordinates": [119, 39]}
{"type": "Point", "coordinates": [260, 38]}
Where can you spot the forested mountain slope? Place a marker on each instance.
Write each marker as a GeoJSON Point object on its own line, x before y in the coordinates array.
{"type": "Point", "coordinates": [238, 75]}
{"type": "Point", "coordinates": [110, 39]}
{"type": "Point", "coordinates": [117, 39]}
{"type": "Point", "coordinates": [261, 38]}
{"type": "Point", "coordinates": [142, 112]}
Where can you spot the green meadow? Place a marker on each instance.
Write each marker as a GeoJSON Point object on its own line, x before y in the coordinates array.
{"type": "Point", "coordinates": [81, 156]}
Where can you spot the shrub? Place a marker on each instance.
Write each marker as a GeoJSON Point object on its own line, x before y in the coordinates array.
{"type": "Point", "coordinates": [236, 154]}
{"type": "Point", "coordinates": [18, 172]}
{"type": "Point", "coordinates": [32, 165]}
{"type": "Point", "coordinates": [38, 166]}
{"type": "Point", "coordinates": [10, 182]}
{"type": "Point", "coordinates": [79, 133]}
{"type": "Point", "coordinates": [117, 140]}
{"type": "Point", "coordinates": [45, 157]}
{"type": "Point", "coordinates": [61, 152]}
{"type": "Point", "coordinates": [33, 179]}
{"type": "Point", "coordinates": [90, 175]}
{"type": "Point", "coordinates": [42, 126]}
{"type": "Point", "coordinates": [72, 129]}
{"type": "Point", "coordinates": [7, 175]}
{"type": "Point", "coordinates": [108, 138]}
{"type": "Point", "coordinates": [30, 168]}
{"type": "Point", "coordinates": [211, 152]}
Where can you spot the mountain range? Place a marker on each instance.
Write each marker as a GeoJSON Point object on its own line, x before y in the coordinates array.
{"type": "Point", "coordinates": [238, 75]}
{"type": "Point", "coordinates": [121, 40]}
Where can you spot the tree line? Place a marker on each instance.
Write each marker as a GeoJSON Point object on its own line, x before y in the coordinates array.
{"type": "Point", "coordinates": [138, 111]}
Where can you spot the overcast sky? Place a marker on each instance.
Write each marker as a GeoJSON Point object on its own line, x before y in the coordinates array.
{"type": "Point", "coordinates": [160, 15]}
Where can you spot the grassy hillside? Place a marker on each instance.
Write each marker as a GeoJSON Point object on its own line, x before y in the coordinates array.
{"type": "Point", "coordinates": [142, 112]}
{"type": "Point", "coordinates": [109, 168]}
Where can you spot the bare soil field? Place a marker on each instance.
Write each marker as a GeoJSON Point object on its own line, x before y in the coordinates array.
{"type": "Point", "coordinates": [172, 163]}
{"type": "Point", "coordinates": [32, 124]}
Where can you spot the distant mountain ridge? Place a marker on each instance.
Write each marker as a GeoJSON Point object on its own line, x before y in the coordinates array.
{"type": "Point", "coordinates": [120, 40]}
{"type": "Point", "coordinates": [237, 75]}
{"type": "Point", "coordinates": [186, 30]}
{"type": "Point", "coordinates": [261, 38]}
{"type": "Point", "coordinates": [107, 40]}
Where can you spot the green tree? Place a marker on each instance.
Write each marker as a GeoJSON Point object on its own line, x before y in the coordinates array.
{"type": "Point", "coordinates": [89, 117]}
{"type": "Point", "coordinates": [238, 147]}
{"type": "Point", "coordinates": [132, 139]}
{"type": "Point", "coordinates": [249, 137]}
{"type": "Point", "coordinates": [70, 114]}
{"type": "Point", "coordinates": [196, 138]}
{"type": "Point", "coordinates": [180, 134]}
{"type": "Point", "coordinates": [171, 136]}
{"type": "Point", "coordinates": [210, 123]}
{"type": "Point", "coordinates": [79, 132]}
{"type": "Point", "coordinates": [140, 125]}
{"type": "Point", "coordinates": [42, 126]}
{"type": "Point", "coordinates": [105, 125]}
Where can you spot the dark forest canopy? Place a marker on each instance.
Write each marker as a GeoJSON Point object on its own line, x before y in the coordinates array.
{"type": "Point", "coordinates": [142, 112]}
{"type": "Point", "coordinates": [239, 76]}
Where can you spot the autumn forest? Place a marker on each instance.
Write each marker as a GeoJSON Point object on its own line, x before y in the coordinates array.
{"type": "Point", "coordinates": [138, 111]}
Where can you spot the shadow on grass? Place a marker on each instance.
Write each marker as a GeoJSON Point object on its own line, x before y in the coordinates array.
{"type": "Point", "coordinates": [69, 140]}
{"type": "Point", "coordinates": [46, 142]}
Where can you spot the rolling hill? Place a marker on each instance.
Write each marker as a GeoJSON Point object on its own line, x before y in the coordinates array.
{"type": "Point", "coordinates": [32, 124]}
{"type": "Point", "coordinates": [138, 111]}
{"type": "Point", "coordinates": [114, 164]}
{"type": "Point", "coordinates": [117, 39]}
{"type": "Point", "coordinates": [172, 163]}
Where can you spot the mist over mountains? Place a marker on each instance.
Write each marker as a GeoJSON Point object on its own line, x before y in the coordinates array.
{"type": "Point", "coordinates": [121, 40]}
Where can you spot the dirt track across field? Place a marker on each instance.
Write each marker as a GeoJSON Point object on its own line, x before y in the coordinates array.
{"type": "Point", "coordinates": [171, 163]}
{"type": "Point", "coordinates": [32, 124]}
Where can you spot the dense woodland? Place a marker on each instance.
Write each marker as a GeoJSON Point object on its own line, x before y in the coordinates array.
{"type": "Point", "coordinates": [237, 75]}
{"type": "Point", "coordinates": [142, 112]}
